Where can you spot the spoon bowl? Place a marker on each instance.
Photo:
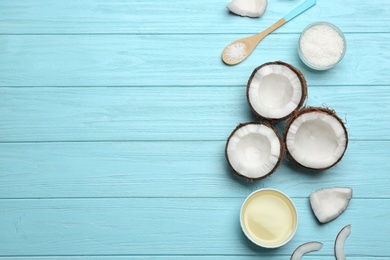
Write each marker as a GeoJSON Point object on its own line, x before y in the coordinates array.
{"type": "Point", "coordinates": [233, 55]}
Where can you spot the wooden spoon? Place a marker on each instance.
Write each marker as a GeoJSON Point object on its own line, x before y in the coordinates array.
{"type": "Point", "coordinates": [239, 50]}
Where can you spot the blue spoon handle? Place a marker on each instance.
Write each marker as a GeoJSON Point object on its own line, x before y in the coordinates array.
{"type": "Point", "coordinates": [299, 9]}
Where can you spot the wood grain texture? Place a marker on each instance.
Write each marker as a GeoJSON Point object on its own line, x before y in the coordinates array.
{"type": "Point", "coordinates": [179, 60]}
{"type": "Point", "coordinates": [175, 257]}
{"type": "Point", "coordinates": [168, 113]}
{"type": "Point", "coordinates": [114, 116]}
{"type": "Point", "coordinates": [174, 16]}
{"type": "Point", "coordinates": [191, 169]}
{"type": "Point", "coordinates": [173, 226]}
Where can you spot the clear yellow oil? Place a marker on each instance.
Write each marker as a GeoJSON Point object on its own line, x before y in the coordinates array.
{"type": "Point", "coordinates": [268, 218]}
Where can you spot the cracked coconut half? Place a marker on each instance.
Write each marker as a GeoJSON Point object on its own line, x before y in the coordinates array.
{"type": "Point", "coordinates": [340, 242]}
{"type": "Point", "coordinates": [275, 90]}
{"type": "Point", "coordinates": [254, 150]}
{"type": "Point", "coordinates": [316, 138]}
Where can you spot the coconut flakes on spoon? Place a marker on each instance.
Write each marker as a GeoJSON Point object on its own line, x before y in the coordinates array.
{"type": "Point", "coordinates": [327, 204]}
{"type": "Point", "coordinates": [250, 8]}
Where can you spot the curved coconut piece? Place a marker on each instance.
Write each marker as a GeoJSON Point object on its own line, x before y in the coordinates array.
{"type": "Point", "coordinates": [254, 150]}
{"type": "Point", "coordinates": [316, 138]}
{"type": "Point", "coordinates": [305, 248]}
{"type": "Point", "coordinates": [340, 241]}
{"type": "Point", "coordinates": [275, 90]}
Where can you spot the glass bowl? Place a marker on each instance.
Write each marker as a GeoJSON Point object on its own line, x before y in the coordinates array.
{"type": "Point", "coordinates": [310, 64]}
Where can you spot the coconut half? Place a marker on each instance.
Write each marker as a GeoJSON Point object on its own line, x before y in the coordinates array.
{"type": "Point", "coordinates": [316, 138]}
{"type": "Point", "coordinates": [275, 90]}
{"type": "Point", "coordinates": [254, 150]}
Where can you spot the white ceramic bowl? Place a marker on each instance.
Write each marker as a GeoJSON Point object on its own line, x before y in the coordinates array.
{"type": "Point", "coordinates": [269, 218]}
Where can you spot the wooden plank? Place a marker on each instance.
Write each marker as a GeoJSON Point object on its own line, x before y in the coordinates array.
{"type": "Point", "coordinates": [163, 16]}
{"type": "Point", "coordinates": [172, 169]}
{"type": "Point", "coordinates": [166, 60]}
{"type": "Point", "coordinates": [170, 226]}
{"type": "Point", "coordinates": [171, 113]}
{"type": "Point", "coordinates": [314, 256]}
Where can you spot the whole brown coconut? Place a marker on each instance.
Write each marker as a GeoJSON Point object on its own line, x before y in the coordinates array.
{"type": "Point", "coordinates": [275, 90]}
{"type": "Point", "coordinates": [254, 150]}
{"type": "Point", "coordinates": [315, 138]}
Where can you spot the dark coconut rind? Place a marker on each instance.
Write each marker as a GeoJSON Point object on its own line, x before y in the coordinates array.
{"type": "Point", "coordinates": [305, 110]}
{"type": "Point", "coordinates": [276, 165]}
{"type": "Point", "coordinates": [301, 79]}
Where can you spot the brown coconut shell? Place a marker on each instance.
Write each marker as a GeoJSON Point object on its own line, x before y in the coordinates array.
{"type": "Point", "coordinates": [302, 111]}
{"type": "Point", "coordinates": [301, 79]}
{"type": "Point", "coordinates": [282, 150]}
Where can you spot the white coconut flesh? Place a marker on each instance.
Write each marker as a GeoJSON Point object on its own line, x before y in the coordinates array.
{"type": "Point", "coordinates": [305, 248]}
{"type": "Point", "coordinates": [250, 8]}
{"type": "Point", "coordinates": [316, 140]}
{"type": "Point", "coordinates": [340, 241]}
{"type": "Point", "coordinates": [327, 204]}
{"type": "Point", "coordinates": [275, 91]}
{"type": "Point", "coordinates": [253, 150]}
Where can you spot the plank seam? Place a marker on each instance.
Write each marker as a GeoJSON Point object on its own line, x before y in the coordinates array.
{"type": "Point", "coordinates": [153, 141]}
{"type": "Point", "coordinates": [186, 86]}
{"type": "Point", "coordinates": [169, 34]}
{"type": "Point", "coordinates": [159, 197]}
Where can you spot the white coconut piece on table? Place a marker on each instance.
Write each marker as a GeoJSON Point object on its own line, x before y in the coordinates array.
{"type": "Point", "coordinates": [254, 150]}
{"type": "Point", "coordinates": [340, 242]}
{"type": "Point", "coordinates": [275, 90]}
{"type": "Point", "coordinates": [305, 248]}
{"type": "Point", "coordinates": [327, 204]}
{"type": "Point", "coordinates": [250, 8]}
{"type": "Point", "coordinates": [316, 138]}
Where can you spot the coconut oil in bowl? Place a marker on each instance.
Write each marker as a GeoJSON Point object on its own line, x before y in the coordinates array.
{"type": "Point", "coordinates": [321, 45]}
{"type": "Point", "coordinates": [269, 218]}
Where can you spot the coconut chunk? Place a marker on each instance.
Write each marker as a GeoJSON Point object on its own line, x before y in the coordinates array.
{"type": "Point", "coordinates": [340, 242]}
{"type": "Point", "coordinates": [327, 204]}
{"type": "Point", "coordinates": [254, 150]}
{"type": "Point", "coordinates": [275, 90]}
{"type": "Point", "coordinates": [250, 8]}
{"type": "Point", "coordinates": [316, 138]}
{"type": "Point", "coordinates": [305, 248]}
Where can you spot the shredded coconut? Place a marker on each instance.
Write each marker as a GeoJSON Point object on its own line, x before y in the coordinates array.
{"type": "Point", "coordinates": [322, 45]}
{"type": "Point", "coordinates": [236, 51]}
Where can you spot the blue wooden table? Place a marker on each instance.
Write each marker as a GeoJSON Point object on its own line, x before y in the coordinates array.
{"type": "Point", "coordinates": [114, 117]}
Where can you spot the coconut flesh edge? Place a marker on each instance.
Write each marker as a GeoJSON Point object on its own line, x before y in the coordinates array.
{"type": "Point", "coordinates": [340, 241]}
{"type": "Point", "coordinates": [329, 203]}
{"type": "Point", "coordinates": [316, 140]}
{"type": "Point", "coordinates": [275, 91]}
{"type": "Point", "coordinates": [253, 150]}
{"type": "Point", "coordinates": [305, 248]}
{"type": "Point", "coordinates": [250, 8]}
